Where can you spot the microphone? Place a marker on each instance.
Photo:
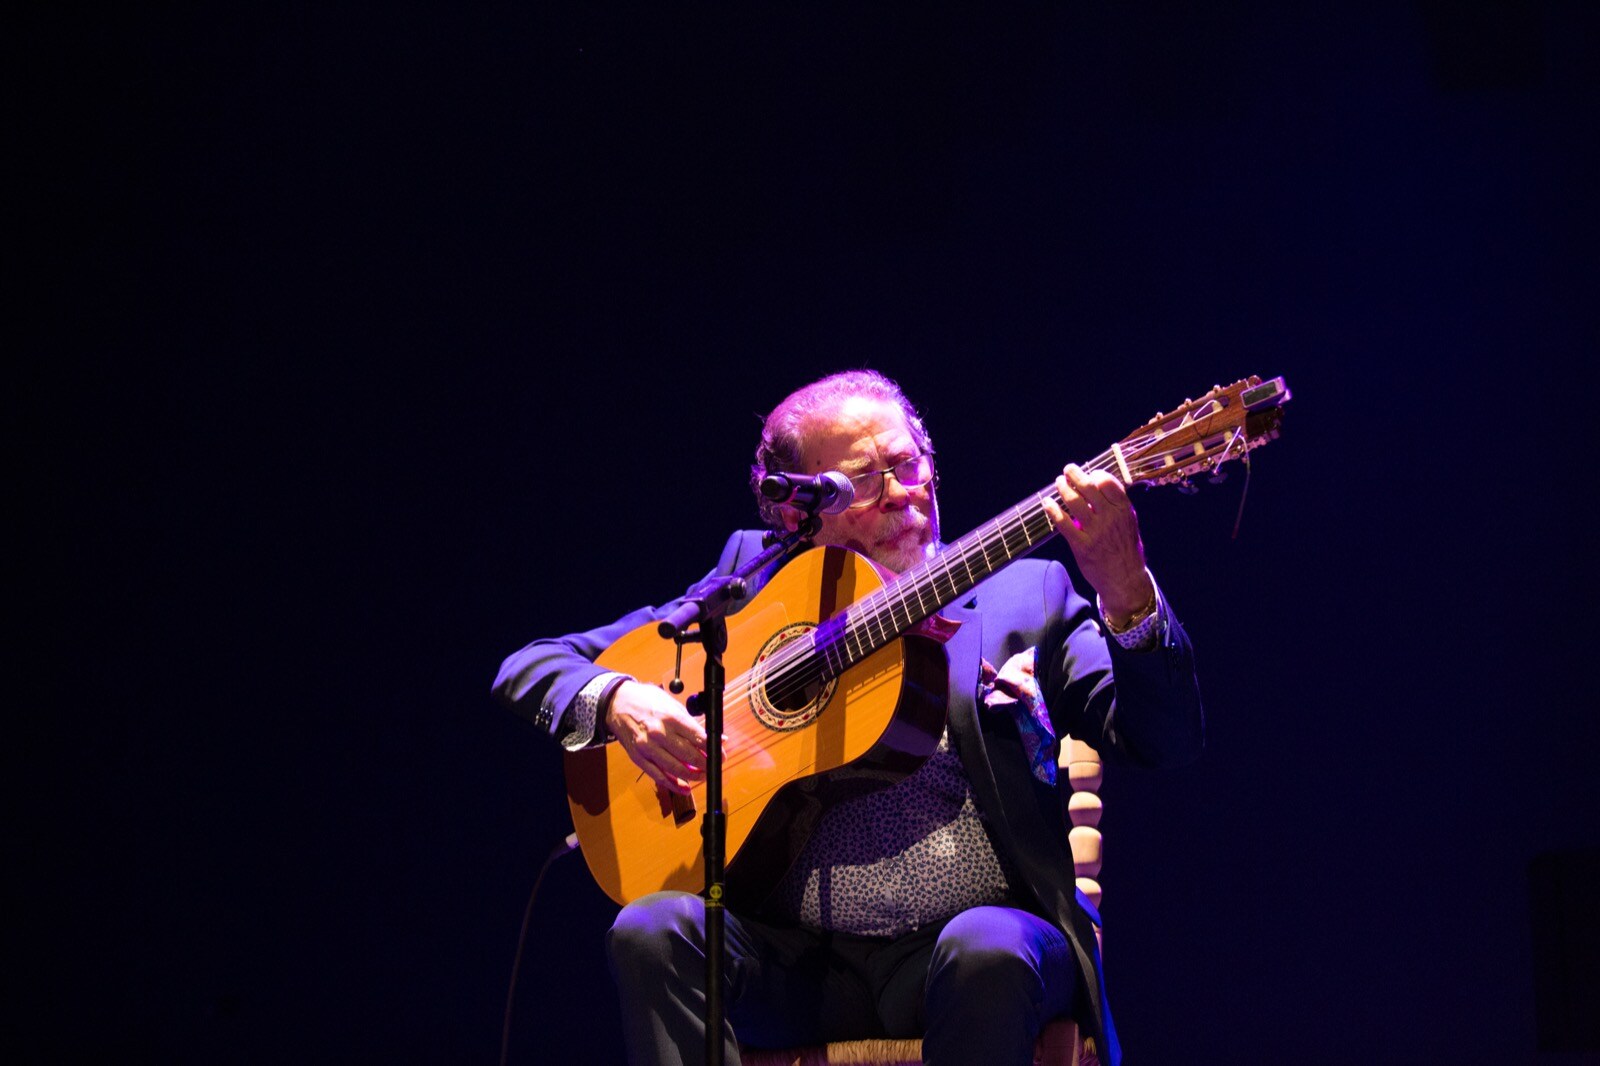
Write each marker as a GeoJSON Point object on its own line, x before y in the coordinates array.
{"type": "Point", "coordinates": [827, 493]}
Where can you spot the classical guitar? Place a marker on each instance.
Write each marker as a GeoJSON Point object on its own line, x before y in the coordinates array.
{"type": "Point", "coordinates": [830, 691]}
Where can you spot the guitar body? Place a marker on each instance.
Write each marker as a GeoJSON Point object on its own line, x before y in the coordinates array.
{"type": "Point", "coordinates": [789, 751]}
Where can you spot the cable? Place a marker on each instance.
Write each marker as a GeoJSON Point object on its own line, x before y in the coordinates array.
{"type": "Point", "coordinates": [570, 844]}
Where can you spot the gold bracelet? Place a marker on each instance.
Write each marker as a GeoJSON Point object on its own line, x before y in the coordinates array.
{"type": "Point", "coordinates": [1138, 616]}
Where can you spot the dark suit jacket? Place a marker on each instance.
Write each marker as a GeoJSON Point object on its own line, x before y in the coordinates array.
{"type": "Point", "coordinates": [1143, 706]}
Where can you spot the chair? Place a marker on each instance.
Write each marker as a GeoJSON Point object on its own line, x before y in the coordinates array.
{"type": "Point", "coordinates": [1061, 1043]}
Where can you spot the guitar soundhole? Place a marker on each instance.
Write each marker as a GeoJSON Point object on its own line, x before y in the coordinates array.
{"type": "Point", "coordinates": [788, 691]}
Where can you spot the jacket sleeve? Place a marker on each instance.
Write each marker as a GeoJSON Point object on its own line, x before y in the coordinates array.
{"type": "Point", "coordinates": [1142, 705]}
{"type": "Point", "coordinates": [540, 681]}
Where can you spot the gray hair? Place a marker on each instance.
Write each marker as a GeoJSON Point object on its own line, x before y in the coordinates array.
{"type": "Point", "coordinates": [779, 450]}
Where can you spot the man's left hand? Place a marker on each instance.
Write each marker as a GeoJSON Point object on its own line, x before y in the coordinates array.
{"type": "Point", "coordinates": [1097, 520]}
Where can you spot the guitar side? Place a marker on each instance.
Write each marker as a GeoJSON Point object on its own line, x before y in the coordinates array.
{"type": "Point", "coordinates": [876, 723]}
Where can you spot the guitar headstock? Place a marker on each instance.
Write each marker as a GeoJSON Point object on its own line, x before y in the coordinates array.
{"type": "Point", "coordinates": [1200, 435]}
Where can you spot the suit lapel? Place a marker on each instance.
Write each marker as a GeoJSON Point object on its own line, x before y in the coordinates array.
{"type": "Point", "coordinates": [965, 650]}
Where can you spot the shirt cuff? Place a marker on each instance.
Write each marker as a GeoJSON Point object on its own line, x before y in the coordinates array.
{"type": "Point", "coordinates": [1140, 636]}
{"type": "Point", "coordinates": [584, 714]}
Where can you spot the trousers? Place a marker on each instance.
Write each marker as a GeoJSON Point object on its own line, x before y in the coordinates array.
{"type": "Point", "coordinates": [977, 987]}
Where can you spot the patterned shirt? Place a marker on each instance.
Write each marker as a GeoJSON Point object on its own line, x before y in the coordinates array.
{"type": "Point", "coordinates": [891, 861]}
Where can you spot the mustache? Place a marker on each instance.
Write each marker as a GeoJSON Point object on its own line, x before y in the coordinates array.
{"type": "Point", "coordinates": [894, 526]}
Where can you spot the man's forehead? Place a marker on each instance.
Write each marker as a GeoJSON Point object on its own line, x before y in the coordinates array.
{"type": "Point", "coordinates": [847, 426]}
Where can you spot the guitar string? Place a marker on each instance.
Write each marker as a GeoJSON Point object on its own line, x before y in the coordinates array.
{"type": "Point", "coordinates": [798, 666]}
{"type": "Point", "coordinates": [872, 622]}
{"type": "Point", "coordinates": [801, 664]}
{"type": "Point", "coordinates": [794, 667]}
{"type": "Point", "coordinates": [887, 612]}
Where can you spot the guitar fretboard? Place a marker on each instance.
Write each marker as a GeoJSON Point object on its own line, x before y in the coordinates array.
{"type": "Point", "coordinates": [889, 612]}
{"type": "Point", "coordinates": [1198, 436]}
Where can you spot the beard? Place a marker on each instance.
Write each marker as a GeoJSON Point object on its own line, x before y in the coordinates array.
{"type": "Point", "coordinates": [895, 541]}
{"type": "Point", "coordinates": [900, 540]}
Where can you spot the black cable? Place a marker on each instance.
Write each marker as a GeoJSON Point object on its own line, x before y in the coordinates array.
{"type": "Point", "coordinates": [1239, 518]}
{"type": "Point", "coordinates": [570, 844]}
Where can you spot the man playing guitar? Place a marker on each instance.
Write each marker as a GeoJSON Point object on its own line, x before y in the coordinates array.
{"type": "Point", "coordinates": [942, 904]}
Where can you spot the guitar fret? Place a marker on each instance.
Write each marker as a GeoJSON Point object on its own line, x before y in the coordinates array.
{"type": "Point", "coordinates": [952, 587]}
{"type": "Point", "coordinates": [902, 623]}
{"type": "Point", "coordinates": [819, 645]}
{"type": "Point", "coordinates": [878, 613]}
{"type": "Point", "coordinates": [1047, 528]}
{"type": "Point", "coordinates": [871, 625]}
{"type": "Point", "coordinates": [853, 635]}
{"type": "Point", "coordinates": [1022, 527]}
{"type": "Point", "coordinates": [886, 620]}
{"type": "Point", "coordinates": [889, 611]}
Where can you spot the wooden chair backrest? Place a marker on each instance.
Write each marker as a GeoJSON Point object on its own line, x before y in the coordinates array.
{"type": "Point", "coordinates": [1084, 771]}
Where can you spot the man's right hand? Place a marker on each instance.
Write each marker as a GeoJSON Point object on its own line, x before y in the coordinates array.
{"type": "Point", "coordinates": [664, 740]}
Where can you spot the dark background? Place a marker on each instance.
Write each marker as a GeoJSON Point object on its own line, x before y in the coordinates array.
{"type": "Point", "coordinates": [352, 349]}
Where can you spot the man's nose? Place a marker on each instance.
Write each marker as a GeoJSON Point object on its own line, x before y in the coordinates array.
{"type": "Point", "coordinates": [894, 494]}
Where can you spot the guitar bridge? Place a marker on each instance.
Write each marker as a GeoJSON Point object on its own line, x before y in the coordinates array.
{"type": "Point", "coordinates": [678, 807]}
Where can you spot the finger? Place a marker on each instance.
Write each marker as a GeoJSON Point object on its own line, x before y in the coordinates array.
{"type": "Point", "coordinates": [1077, 492]}
{"type": "Point", "coordinates": [668, 781]}
{"type": "Point", "coordinates": [1077, 478]}
{"type": "Point", "coordinates": [1104, 493]}
{"type": "Point", "coordinates": [1011, 688]}
{"type": "Point", "coordinates": [680, 749]}
{"type": "Point", "coordinates": [675, 744]}
{"type": "Point", "coordinates": [1112, 490]}
{"type": "Point", "coordinates": [648, 766]}
{"type": "Point", "coordinates": [686, 726]}
{"type": "Point", "coordinates": [1065, 521]}
{"type": "Point", "coordinates": [1058, 518]}
{"type": "Point", "coordinates": [1099, 489]}
{"type": "Point", "coordinates": [674, 773]}
{"type": "Point", "coordinates": [679, 756]}
{"type": "Point", "coordinates": [1017, 677]}
{"type": "Point", "coordinates": [686, 740]}
{"type": "Point", "coordinates": [1019, 668]}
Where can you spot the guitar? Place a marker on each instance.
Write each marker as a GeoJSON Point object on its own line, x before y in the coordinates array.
{"type": "Point", "coordinates": [830, 691]}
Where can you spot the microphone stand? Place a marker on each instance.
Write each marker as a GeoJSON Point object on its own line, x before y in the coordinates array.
{"type": "Point", "coordinates": [706, 608]}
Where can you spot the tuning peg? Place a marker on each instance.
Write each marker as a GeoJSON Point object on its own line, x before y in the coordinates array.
{"type": "Point", "coordinates": [1218, 476]}
{"type": "Point", "coordinates": [1188, 488]}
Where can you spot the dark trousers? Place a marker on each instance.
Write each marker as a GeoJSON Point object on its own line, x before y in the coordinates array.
{"type": "Point", "coordinates": [977, 988]}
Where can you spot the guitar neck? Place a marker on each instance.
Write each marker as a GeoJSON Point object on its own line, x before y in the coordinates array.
{"type": "Point", "coordinates": [889, 612]}
{"type": "Point", "coordinates": [1196, 437]}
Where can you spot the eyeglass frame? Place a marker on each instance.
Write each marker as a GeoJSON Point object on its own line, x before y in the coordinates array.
{"type": "Point", "coordinates": [882, 475]}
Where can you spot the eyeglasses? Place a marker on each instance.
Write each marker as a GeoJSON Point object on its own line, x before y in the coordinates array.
{"type": "Point", "coordinates": [910, 472]}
